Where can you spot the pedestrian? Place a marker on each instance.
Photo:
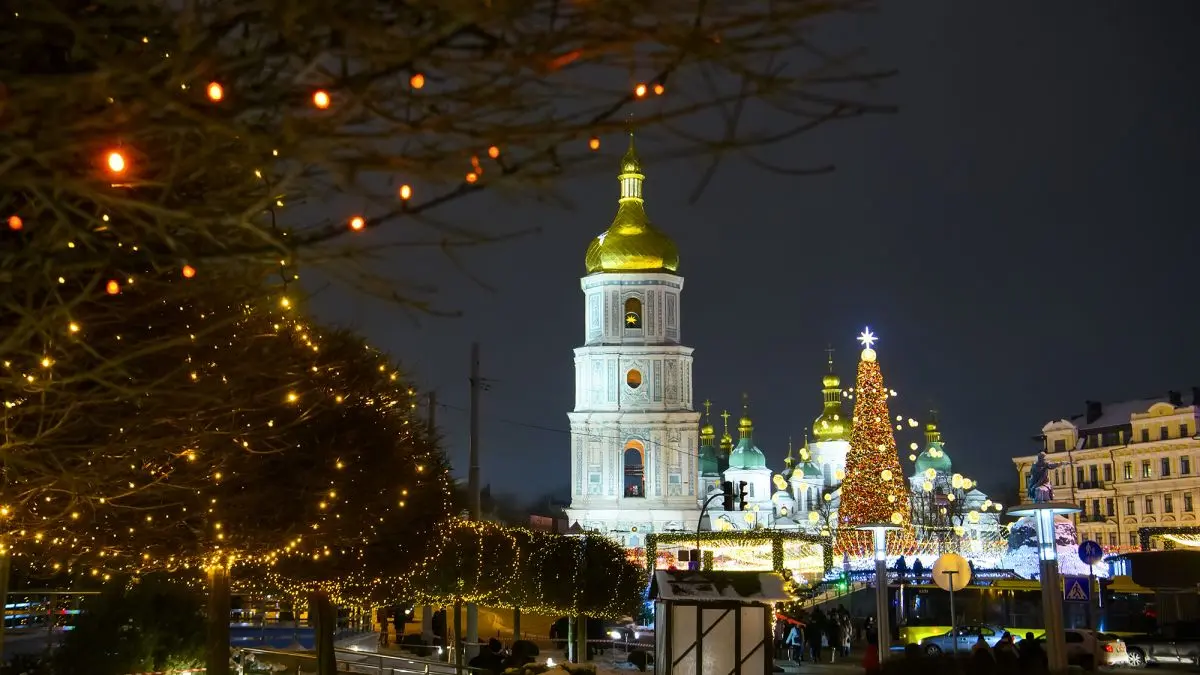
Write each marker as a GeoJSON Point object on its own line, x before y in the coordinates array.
{"type": "Point", "coordinates": [833, 635]}
{"type": "Point", "coordinates": [795, 643]}
{"type": "Point", "coordinates": [870, 662]}
{"type": "Point", "coordinates": [813, 634]}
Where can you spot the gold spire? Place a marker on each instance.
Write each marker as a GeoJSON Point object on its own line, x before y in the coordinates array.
{"type": "Point", "coordinates": [831, 425]}
{"type": "Point", "coordinates": [745, 425]}
{"type": "Point", "coordinates": [787, 461]}
{"type": "Point", "coordinates": [706, 430]}
{"type": "Point", "coordinates": [726, 439]}
{"type": "Point", "coordinates": [932, 434]}
{"type": "Point", "coordinates": [631, 243]}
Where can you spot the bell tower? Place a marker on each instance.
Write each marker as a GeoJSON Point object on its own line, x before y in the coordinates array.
{"type": "Point", "coordinates": [634, 433]}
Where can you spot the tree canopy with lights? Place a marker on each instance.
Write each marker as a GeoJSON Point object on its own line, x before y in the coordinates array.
{"type": "Point", "coordinates": [875, 490]}
{"type": "Point", "coordinates": [246, 433]}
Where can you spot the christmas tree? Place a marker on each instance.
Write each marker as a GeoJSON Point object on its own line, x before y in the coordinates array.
{"type": "Point", "coordinates": [874, 490]}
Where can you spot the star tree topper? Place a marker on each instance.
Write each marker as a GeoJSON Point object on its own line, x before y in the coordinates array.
{"type": "Point", "coordinates": [867, 338]}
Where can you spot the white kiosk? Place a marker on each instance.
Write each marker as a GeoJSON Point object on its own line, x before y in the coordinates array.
{"type": "Point", "coordinates": [715, 623]}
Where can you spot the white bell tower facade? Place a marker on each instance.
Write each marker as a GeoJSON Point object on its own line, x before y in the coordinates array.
{"type": "Point", "coordinates": [634, 433]}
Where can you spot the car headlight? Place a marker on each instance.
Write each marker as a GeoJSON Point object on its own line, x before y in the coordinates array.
{"type": "Point", "coordinates": [614, 634]}
{"type": "Point", "coordinates": [636, 635]}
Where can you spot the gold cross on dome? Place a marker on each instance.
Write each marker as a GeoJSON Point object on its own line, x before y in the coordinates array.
{"type": "Point", "coordinates": [725, 416]}
{"type": "Point", "coordinates": [707, 407]}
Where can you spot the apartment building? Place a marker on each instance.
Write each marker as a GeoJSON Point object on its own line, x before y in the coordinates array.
{"type": "Point", "coordinates": [1127, 465]}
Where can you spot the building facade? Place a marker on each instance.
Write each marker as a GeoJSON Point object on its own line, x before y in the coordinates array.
{"type": "Point", "coordinates": [1127, 465]}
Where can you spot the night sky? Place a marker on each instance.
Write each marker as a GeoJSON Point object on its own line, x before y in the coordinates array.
{"type": "Point", "coordinates": [1020, 236]}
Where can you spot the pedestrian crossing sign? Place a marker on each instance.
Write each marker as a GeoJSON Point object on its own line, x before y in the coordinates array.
{"type": "Point", "coordinates": [1077, 589]}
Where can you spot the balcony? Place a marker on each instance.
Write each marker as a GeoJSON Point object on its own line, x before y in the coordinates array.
{"type": "Point", "coordinates": [1090, 485]}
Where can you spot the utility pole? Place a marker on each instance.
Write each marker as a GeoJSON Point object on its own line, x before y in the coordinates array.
{"type": "Point", "coordinates": [473, 489]}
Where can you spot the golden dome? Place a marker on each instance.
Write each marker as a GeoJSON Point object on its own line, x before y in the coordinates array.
{"type": "Point", "coordinates": [707, 430]}
{"type": "Point", "coordinates": [631, 243]}
{"type": "Point", "coordinates": [830, 381]}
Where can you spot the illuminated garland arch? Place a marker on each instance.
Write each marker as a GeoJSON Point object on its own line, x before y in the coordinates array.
{"type": "Point", "coordinates": [1145, 533]}
{"type": "Point", "coordinates": [776, 538]}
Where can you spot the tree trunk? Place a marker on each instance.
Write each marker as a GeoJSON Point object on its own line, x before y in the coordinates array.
{"type": "Point", "coordinates": [5, 566]}
{"type": "Point", "coordinates": [324, 625]}
{"type": "Point", "coordinates": [217, 646]}
{"type": "Point", "coordinates": [516, 624]}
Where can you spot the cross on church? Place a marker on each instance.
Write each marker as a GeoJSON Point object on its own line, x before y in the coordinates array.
{"type": "Point", "coordinates": [725, 416]}
{"type": "Point", "coordinates": [829, 354]}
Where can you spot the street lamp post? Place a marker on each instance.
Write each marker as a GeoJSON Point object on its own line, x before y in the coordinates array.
{"type": "Point", "coordinates": [1043, 514]}
{"type": "Point", "coordinates": [882, 605]}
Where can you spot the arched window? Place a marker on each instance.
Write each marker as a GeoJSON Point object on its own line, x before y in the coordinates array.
{"type": "Point", "coordinates": [635, 470]}
{"type": "Point", "coordinates": [633, 313]}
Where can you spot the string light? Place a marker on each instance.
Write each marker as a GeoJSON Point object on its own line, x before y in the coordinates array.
{"type": "Point", "coordinates": [594, 143]}
{"type": "Point", "coordinates": [640, 90]}
{"type": "Point", "coordinates": [417, 81]}
{"type": "Point", "coordinates": [188, 271]}
{"type": "Point", "coordinates": [112, 287]}
{"type": "Point", "coordinates": [116, 162]}
{"type": "Point", "coordinates": [215, 91]}
{"type": "Point", "coordinates": [659, 89]}
{"type": "Point", "coordinates": [320, 99]}
{"type": "Point", "coordinates": [15, 223]}
{"type": "Point", "coordinates": [357, 223]}
{"type": "Point", "coordinates": [493, 152]}
{"type": "Point", "coordinates": [405, 192]}
{"type": "Point", "coordinates": [472, 177]}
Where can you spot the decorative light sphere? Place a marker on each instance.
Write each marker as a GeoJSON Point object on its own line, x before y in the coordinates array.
{"type": "Point", "coordinates": [868, 355]}
{"type": "Point", "coordinates": [897, 518]}
{"type": "Point", "coordinates": [912, 458]}
{"type": "Point", "coordinates": [927, 486]}
{"type": "Point", "coordinates": [930, 473]}
{"type": "Point", "coordinates": [116, 162]}
{"type": "Point", "coordinates": [812, 516]}
{"type": "Point", "coordinates": [913, 446]}
{"type": "Point", "coordinates": [839, 474]}
{"type": "Point", "coordinates": [892, 499]}
{"type": "Point", "coordinates": [885, 475]}
{"type": "Point", "coordinates": [956, 481]}
{"type": "Point", "coordinates": [828, 497]}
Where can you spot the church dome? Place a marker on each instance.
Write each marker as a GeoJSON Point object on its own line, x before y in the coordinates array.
{"type": "Point", "coordinates": [830, 381]}
{"type": "Point", "coordinates": [831, 424]}
{"type": "Point", "coordinates": [746, 455]}
{"type": "Point", "coordinates": [934, 457]}
{"type": "Point", "coordinates": [631, 243]}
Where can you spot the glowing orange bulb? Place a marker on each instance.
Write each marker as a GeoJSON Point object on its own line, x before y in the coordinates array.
{"type": "Point", "coordinates": [215, 91]}
{"type": "Point", "coordinates": [640, 90]}
{"type": "Point", "coordinates": [15, 223]}
{"type": "Point", "coordinates": [116, 162]}
{"type": "Point", "coordinates": [493, 152]}
{"type": "Point", "coordinates": [405, 192]}
{"type": "Point", "coordinates": [417, 81]}
{"type": "Point", "coordinates": [659, 89]}
{"type": "Point", "coordinates": [357, 223]}
{"type": "Point", "coordinates": [321, 99]}
{"type": "Point", "coordinates": [189, 271]}
{"type": "Point", "coordinates": [594, 143]}
{"type": "Point", "coordinates": [112, 287]}
{"type": "Point", "coordinates": [472, 177]}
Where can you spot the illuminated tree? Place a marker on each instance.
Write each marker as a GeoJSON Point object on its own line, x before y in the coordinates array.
{"type": "Point", "coordinates": [248, 435]}
{"type": "Point", "coordinates": [874, 490]}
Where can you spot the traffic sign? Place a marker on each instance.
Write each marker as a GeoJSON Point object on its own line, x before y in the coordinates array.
{"type": "Point", "coordinates": [1090, 552]}
{"type": "Point", "coordinates": [1077, 589]}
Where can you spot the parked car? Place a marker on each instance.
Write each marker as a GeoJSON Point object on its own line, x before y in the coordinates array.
{"type": "Point", "coordinates": [1147, 649]}
{"type": "Point", "coordinates": [1089, 648]}
{"type": "Point", "coordinates": [965, 636]}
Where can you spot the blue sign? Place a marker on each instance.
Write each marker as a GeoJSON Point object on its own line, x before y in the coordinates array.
{"type": "Point", "coordinates": [1077, 589]}
{"type": "Point", "coordinates": [1090, 552]}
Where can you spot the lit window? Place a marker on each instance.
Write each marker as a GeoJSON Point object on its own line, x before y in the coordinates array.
{"type": "Point", "coordinates": [633, 313]}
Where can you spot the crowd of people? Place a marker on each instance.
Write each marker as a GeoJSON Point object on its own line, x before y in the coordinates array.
{"type": "Point", "coordinates": [817, 636]}
{"type": "Point", "coordinates": [1007, 657]}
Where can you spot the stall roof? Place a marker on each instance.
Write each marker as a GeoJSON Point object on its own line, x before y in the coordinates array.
{"type": "Point", "coordinates": [713, 586]}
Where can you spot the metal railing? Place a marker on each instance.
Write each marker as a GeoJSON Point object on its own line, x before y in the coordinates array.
{"type": "Point", "coordinates": [348, 661]}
